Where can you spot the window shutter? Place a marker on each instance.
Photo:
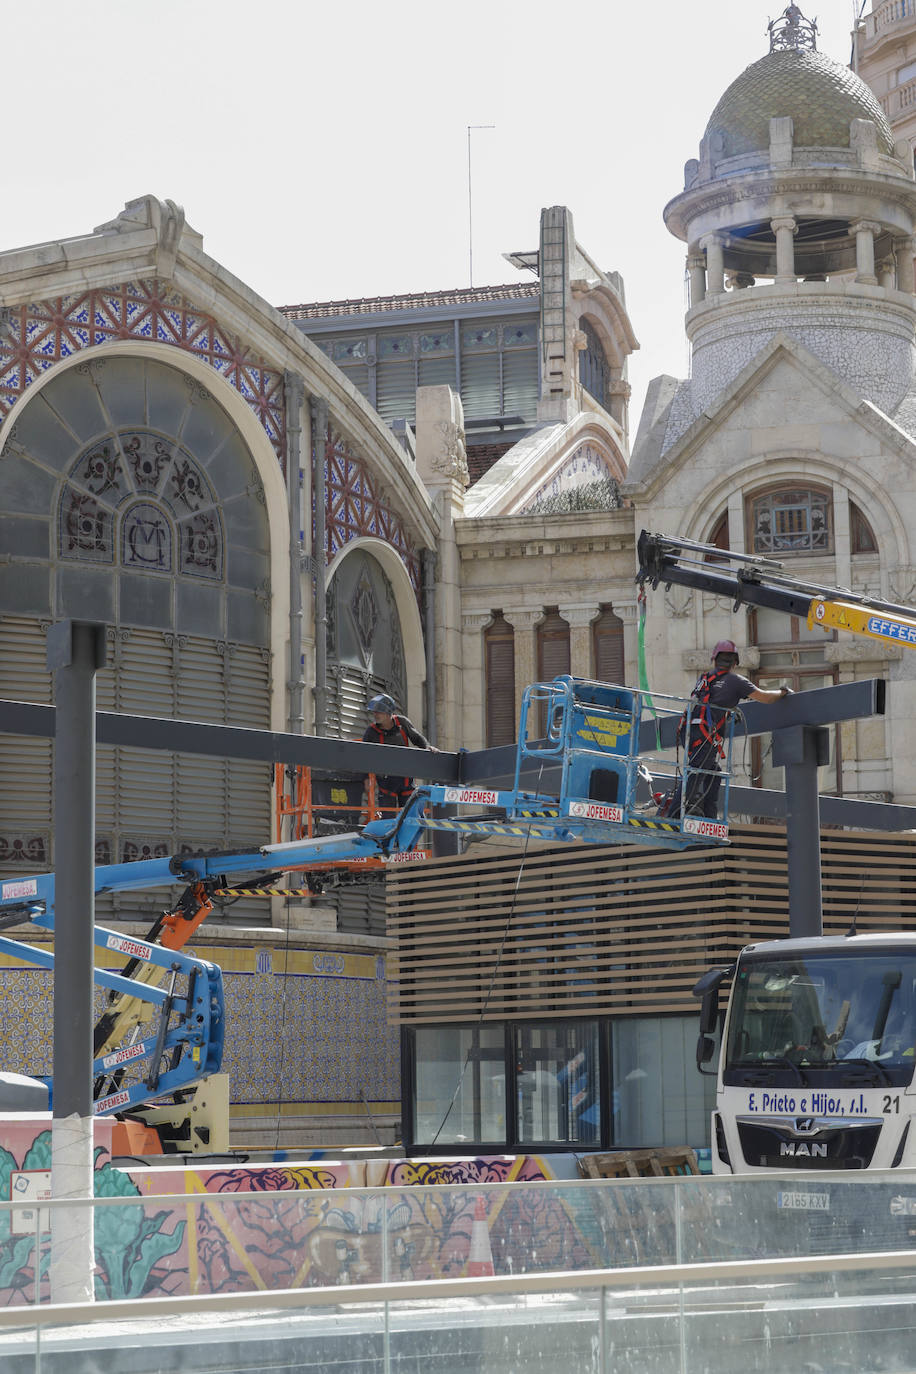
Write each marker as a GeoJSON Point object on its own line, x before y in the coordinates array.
{"type": "Point", "coordinates": [553, 645]}
{"type": "Point", "coordinates": [396, 389]}
{"type": "Point", "coordinates": [480, 385]}
{"type": "Point", "coordinates": [607, 641]}
{"type": "Point", "coordinates": [499, 649]}
{"type": "Point", "coordinates": [520, 382]}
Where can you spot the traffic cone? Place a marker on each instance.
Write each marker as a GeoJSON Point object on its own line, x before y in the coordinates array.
{"type": "Point", "coordinates": [480, 1256]}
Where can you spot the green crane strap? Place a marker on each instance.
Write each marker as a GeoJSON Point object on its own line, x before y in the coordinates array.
{"type": "Point", "coordinates": [643, 676]}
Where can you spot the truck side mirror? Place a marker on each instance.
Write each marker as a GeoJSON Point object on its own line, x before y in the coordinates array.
{"type": "Point", "coordinates": [706, 1048]}
{"type": "Point", "coordinates": [709, 1012]}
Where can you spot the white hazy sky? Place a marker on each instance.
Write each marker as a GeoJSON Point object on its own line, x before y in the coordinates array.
{"type": "Point", "coordinates": [321, 148]}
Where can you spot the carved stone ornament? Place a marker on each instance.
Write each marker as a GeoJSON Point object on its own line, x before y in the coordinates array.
{"type": "Point", "coordinates": [678, 604]}
{"type": "Point", "coordinates": [451, 460]}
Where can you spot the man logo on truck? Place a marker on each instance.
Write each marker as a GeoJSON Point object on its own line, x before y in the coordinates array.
{"type": "Point", "coordinates": [801, 1147]}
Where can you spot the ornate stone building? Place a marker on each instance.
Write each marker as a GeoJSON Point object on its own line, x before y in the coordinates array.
{"type": "Point", "coordinates": [884, 56]}
{"type": "Point", "coordinates": [794, 434]}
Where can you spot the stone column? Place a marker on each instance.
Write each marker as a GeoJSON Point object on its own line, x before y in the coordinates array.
{"type": "Point", "coordinates": [903, 251]}
{"type": "Point", "coordinates": [715, 264]}
{"type": "Point", "coordinates": [579, 619]}
{"type": "Point", "coordinates": [887, 273]}
{"type": "Point", "coordinates": [696, 270]}
{"type": "Point", "coordinates": [472, 731]}
{"type": "Point", "coordinates": [785, 229]}
{"type": "Point", "coordinates": [442, 467]}
{"type": "Point", "coordinates": [628, 614]}
{"type": "Point", "coordinates": [523, 623]}
{"type": "Point", "coordinates": [865, 231]}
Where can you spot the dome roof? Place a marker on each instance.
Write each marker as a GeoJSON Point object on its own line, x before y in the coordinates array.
{"type": "Point", "coordinates": [821, 95]}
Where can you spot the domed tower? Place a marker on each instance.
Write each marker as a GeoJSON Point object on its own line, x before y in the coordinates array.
{"type": "Point", "coordinates": [799, 217]}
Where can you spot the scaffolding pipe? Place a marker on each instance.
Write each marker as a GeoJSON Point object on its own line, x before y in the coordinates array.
{"type": "Point", "coordinates": [296, 685]}
{"type": "Point", "coordinates": [318, 408]}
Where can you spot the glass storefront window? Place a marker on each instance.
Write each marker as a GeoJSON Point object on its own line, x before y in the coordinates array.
{"type": "Point", "coordinates": [558, 1083]}
{"type": "Point", "coordinates": [658, 1096]}
{"type": "Point", "coordinates": [460, 1085]}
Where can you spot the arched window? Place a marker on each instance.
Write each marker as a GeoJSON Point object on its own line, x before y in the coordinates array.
{"type": "Point", "coordinates": [553, 645]}
{"type": "Point", "coordinates": [365, 643]}
{"type": "Point", "coordinates": [861, 535]}
{"type": "Point", "coordinates": [607, 645]}
{"type": "Point", "coordinates": [499, 670]}
{"type": "Point", "coordinates": [791, 520]}
{"type": "Point", "coordinates": [594, 373]}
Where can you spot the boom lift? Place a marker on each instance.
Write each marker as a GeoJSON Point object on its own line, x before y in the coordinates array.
{"type": "Point", "coordinates": [161, 1032]}
{"type": "Point", "coordinates": [818, 1043]}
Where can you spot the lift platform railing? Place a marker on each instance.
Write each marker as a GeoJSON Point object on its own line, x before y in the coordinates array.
{"type": "Point", "coordinates": [309, 803]}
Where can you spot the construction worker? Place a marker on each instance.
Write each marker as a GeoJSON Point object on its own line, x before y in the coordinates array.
{"type": "Point", "coordinates": [714, 694]}
{"type": "Point", "coordinates": [390, 726]}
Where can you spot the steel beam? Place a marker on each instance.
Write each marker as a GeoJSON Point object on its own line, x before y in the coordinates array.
{"type": "Point", "coordinates": [235, 742]}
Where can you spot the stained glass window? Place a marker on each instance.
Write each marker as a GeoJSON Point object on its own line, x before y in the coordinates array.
{"type": "Point", "coordinates": [175, 524]}
{"type": "Point", "coordinates": [146, 539]}
{"type": "Point", "coordinates": [792, 520]}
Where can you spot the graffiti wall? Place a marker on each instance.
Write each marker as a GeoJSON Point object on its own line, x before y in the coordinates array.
{"type": "Point", "coordinates": [165, 1231]}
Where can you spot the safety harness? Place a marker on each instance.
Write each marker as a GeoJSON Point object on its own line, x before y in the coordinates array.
{"type": "Point", "coordinates": [709, 730]}
{"type": "Point", "coordinates": [406, 782]}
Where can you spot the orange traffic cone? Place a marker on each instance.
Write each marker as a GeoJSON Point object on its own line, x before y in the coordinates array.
{"type": "Point", "coordinates": [480, 1255]}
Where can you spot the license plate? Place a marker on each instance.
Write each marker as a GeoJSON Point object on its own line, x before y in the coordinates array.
{"type": "Point", "coordinates": [804, 1202]}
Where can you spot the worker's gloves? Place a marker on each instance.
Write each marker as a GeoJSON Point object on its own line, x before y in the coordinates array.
{"type": "Point", "coordinates": [786, 691]}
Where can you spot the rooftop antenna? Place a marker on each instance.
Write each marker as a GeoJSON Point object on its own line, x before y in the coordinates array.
{"type": "Point", "coordinates": [470, 128]}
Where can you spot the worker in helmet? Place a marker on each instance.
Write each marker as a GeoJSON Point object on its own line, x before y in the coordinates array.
{"type": "Point", "coordinates": [390, 726]}
{"type": "Point", "coordinates": [715, 694]}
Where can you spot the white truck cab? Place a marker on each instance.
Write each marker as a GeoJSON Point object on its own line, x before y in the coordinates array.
{"type": "Point", "coordinates": [817, 1056]}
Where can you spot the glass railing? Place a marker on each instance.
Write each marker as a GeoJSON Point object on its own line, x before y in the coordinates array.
{"type": "Point", "coordinates": [837, 1313]}
{"type": "Point", "coordinates": [168, 1245]}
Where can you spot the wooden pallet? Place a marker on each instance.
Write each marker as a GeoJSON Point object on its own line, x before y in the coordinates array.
{"type": "Point", "coordinates": [664, 1162]}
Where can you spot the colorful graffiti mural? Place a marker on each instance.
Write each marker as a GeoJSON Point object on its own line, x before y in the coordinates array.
{"type": "Point", "coordinates": [251, 1227]}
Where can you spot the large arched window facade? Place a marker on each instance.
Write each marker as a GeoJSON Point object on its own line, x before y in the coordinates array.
{"type": "Point", "coordinates": [129, 497]}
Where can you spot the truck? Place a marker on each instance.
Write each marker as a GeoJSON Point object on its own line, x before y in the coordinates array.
{"type": "Point", "coordinates": [817, 1041]}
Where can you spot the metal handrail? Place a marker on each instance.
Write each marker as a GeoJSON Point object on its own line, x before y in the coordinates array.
{"type": "Point", "coordinates": [670, 1275]}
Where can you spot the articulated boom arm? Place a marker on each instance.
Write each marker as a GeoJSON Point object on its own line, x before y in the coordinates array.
{"type": "Point", "coordinates": [756, 581]}
{"type": "Point", "coordinates": [162, 1028]}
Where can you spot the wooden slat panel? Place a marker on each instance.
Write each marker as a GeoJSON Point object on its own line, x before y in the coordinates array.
{"type": "Point", "coordinates": [616, 930]}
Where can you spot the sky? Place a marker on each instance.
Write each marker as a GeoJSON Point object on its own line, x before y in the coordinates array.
{"type": "Point", "coordinates": [322, 149]}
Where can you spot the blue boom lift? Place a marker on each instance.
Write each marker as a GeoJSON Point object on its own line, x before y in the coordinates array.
{"type": "Point", "coordinates": [577, 772]}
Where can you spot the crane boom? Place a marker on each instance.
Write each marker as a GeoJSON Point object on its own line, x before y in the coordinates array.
{"type": "Point", "coordinates": [755, 581]}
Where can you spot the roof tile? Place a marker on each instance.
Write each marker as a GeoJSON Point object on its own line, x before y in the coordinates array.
{"type": "Point", "coordinates": [417, 300]}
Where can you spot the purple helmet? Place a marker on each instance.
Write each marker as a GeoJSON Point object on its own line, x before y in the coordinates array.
{"type": "Point", "coordinates": [725, 646]}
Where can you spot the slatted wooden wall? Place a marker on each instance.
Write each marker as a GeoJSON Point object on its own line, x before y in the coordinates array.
{"type": "Point", "coordinates": [588, 931]}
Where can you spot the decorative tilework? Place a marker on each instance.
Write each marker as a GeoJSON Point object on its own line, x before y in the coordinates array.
{"type": "Point", "coordinates": [585, 465]}
{"type": "Point", "coordinates": [37, 336]}
{"type": "Point", "coordinates": [356, 507]}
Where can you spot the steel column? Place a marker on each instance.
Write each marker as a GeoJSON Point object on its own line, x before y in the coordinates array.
{"type": "Point", "coordinates": [801, 750]}
{"type": "Point", "coordinates": [76, 650]}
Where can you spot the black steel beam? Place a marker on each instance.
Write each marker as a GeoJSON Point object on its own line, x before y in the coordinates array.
{"type": "Point", "coordinates": [823, 706]}
{"type": "Point", "coordinates": [235, 742]}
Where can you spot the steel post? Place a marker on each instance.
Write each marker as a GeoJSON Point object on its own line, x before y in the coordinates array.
{"type": "Point", "coordinates": [801, 750]}
{"type": "Point", "coordinates": [76, 650]}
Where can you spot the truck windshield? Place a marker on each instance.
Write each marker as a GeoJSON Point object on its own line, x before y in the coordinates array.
{"type": "Point", "coordinates": [827, 1017]}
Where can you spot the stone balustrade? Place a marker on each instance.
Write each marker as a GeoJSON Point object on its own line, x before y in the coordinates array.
{"type": "Point", "coordinates": [890, 13]}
